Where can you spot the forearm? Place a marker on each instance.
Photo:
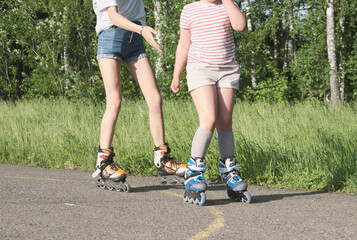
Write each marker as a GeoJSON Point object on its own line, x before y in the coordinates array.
{"type": "Point", "coordinates": [236, 17]}
{"type": "Point", "coordinates": [180, 60]}
{"type": "Point", "coordinates": [121, 21]}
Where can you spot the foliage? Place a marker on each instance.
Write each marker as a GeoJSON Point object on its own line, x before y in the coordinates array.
{"type": "Point", "coordinates": [305, 145]}
{"type": "Point", "coordinates": [48, 50]}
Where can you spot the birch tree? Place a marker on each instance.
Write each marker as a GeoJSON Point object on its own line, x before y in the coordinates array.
{"type": "Point", "coordinates": [341, 66]}
{"type": "Point", "coordinates": [158, 15]}
{"type": "Point", "coordinates": [331, 50]}
{"type": "Point", "coordinates": [250, 29]}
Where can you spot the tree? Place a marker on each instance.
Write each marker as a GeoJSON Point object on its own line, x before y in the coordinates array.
{"type": "Point", "coordinates": [250, 29]}
{"type": "Point", "coordinates": [331, 49]}
{"type": "Point", "coordinates": [289, 52]}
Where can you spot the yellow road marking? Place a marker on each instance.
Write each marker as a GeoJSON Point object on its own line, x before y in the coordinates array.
{"type": "Point", "coordinates": [215, 226]}
{"type": "Point", "coordinates": [172, 193]}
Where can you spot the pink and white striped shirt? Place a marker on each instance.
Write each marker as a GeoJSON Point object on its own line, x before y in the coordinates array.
{"type": "Point", "coordinates": [212, 38]}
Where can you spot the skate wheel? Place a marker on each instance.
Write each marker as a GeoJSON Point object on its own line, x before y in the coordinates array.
{"type": "Point", "coordinates": [203, 199]}
{"type": "Point", "coordinates": [127, 187]}
{"type": "Point", "coordinates": [235, 196]}
{"type": "Point", "coordinates": [246, 197]}
{"type": "Point", "coordinates": [185, 197]}
{"type": "Point", "coordinates": [197, 200]}
{"type": "Point", "coordinates": [240, 196]}
{"type": "Point", "coordinates": [162, 181]}
{"type": "Point", "coordinates": [232, 195]}
{"type": "Point", "coordinates": [173, 181]}
{"type": "Point", "coordinates": [99, 183]}
{"type": "Point", "coordinates": [110, 188]}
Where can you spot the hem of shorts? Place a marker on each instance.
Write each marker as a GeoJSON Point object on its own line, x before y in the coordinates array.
{"type": "Point", "coordinates": [132, 59]}
{"type": "Point", "coordinates": [110, 56]}
{"type": "Point", "coordinates": [196, 87]}
{"type": "Point", "coordinates": [232, 87]}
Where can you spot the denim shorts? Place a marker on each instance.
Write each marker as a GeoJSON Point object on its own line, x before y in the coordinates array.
{"type": "Point", "coordinates": [120, 44]}
{"type": "Point", "coordinates": [220, 75]}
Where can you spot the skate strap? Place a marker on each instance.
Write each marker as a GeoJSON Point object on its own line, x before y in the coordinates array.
{"type": "Point", "coordinates": [194, 173]}
{"type": "Point", "coordinates": [105, 163]}
{"type": "Point", "coordinates": [166, 146]}
{"type": "Point", "coordinates": [231, 175]}
{"type": "Point", "coordinates": [173, 160]}
{"type": "Point", "coordinates": [95, 173]}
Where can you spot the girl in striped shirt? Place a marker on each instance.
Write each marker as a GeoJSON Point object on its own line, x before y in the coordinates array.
{"type": "Point", "coordinates": [207, 46]}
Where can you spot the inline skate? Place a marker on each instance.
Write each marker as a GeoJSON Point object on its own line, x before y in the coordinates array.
{"type": "Point", "coordinates": [168, 168]}
{"type": "Point", "coordinates": [111, 176]}
{"type": "Point", "coordinates": [195, 184]}
{"type": "Point", "coordinates": [236, 187]}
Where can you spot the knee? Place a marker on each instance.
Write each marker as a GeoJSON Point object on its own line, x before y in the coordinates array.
{"type": "Point", "coordinates": [154, 102]}
{"type": "Point", "coordinates": [208, 123]}
{"type": "Point", "coordinates": [113, 106]}
{"type": "Point", "coordinates": [224, 124]}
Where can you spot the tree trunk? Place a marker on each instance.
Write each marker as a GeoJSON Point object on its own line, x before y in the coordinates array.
{"type": "Point", "coordinates": [342, 54]}
{"type": "Point", "coordinates": [158, 7]}
{"type": "Point", "coordinates": [275, 37]}
{"type": "Point", "coordinates": [65, 37]}
{"type": "Point", "coordinates": [291, 27]}
{"type": "Point", "coordinates": [276, 42]}
{"type": "Point", "coordinates": [290, 36]}
{"type": "Point", "coordinates": [331, 50]}
{"type": "Point", "coordinates": [286, 52]}
{"type": "Point", "coordinates": [250, 29]}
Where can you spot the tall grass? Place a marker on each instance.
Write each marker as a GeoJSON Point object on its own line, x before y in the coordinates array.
{"type": "Point", "coordinates": [307, 145]}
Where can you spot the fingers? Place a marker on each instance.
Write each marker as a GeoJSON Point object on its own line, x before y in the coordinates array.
{"type": "Point", "coordinates": [148, 33]}
{"type": "Point", "coordinates": [175, 86]}
{"type": "Point", "coordinates": [175, 90]}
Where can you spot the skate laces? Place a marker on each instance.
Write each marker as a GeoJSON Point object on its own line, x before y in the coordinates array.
{"type": "Point", "coordinates": [235, 176]}
{"type": "Point", "coordinates": [115, 166]}
{"type": "Point", "coordinates": [173, 162]}
{"type": "Point", "coordinates": [194, 173]}
{"type": "Point", "coordinates": [200, 177]}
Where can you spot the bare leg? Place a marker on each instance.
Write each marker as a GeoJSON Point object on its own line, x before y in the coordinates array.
{"type": "Point", "coordinates": [205, 99]}
{"type": "Point", "coordinates": [225, 103]}
{"type": "Point", "coordinates": [110, 70]}
{"type": "Point", "coordinates": [142, 72]}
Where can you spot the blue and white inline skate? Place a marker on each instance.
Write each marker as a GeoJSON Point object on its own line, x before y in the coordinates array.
{"type": "Point", "coordinates": [236, 186]}
{"type": "Point", "coordinates": [195, 184]}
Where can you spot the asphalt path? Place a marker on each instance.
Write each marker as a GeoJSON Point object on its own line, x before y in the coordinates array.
{"type": "Point", "coordinates": [37, 203]}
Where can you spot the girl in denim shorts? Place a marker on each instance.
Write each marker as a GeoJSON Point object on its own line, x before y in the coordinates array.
{"type": "Point", "coordinates": [121, 28]}
{"type": "Point", "coordinates": [207, 46]}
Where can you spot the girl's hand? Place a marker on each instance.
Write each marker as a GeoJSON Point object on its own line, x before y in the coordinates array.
{"type": "Point", "coordinates": [175, 85]}
{"type": "Point", "coordinates": [147, 33]}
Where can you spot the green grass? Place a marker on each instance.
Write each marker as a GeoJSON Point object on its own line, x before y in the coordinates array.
{"type": "Point", "coordinates": [307, 145]}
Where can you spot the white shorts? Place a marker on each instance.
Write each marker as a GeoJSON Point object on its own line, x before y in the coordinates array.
{"type": "Point", "coordinates": [205, 74]}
